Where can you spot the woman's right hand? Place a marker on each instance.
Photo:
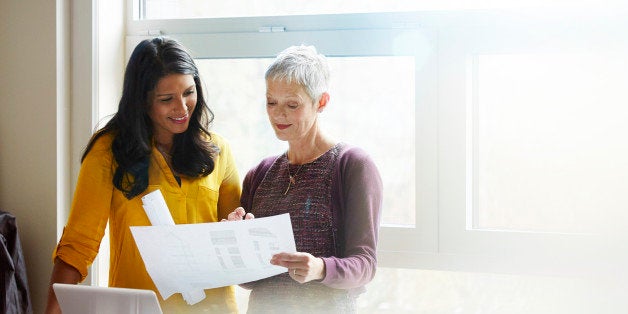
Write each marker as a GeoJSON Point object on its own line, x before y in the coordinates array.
{"type": "Point", "coordinates": [238, 214]}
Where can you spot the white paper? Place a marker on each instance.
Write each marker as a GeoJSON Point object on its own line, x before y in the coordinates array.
{"type": "Point", "coordinates": [156, 209]}
{"type": "Point", "coordinates": [189, 257]}
{"type": "Point", "coordinates": [159, 215]}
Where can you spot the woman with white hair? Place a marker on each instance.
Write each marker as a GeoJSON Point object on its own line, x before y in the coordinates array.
{"type": "Point", "coordinates": [332, 190]}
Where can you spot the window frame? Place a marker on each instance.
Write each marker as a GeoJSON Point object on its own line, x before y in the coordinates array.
{"type": "Point", "coordinates": [443, 237]}
{"type": "Point", "coordinates": [356, 33]}
{"type": "Point", "coordinates": [510, 251]}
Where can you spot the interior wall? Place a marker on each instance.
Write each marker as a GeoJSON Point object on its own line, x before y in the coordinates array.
{"type": "Point", "coordinates": [28, 131]}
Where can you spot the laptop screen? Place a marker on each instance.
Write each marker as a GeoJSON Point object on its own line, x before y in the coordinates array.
{"type": "Point", "coordinates": [81, 299]}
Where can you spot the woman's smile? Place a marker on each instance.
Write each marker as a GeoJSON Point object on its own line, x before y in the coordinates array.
{"type": "Point", "coordinates": [180, 120]}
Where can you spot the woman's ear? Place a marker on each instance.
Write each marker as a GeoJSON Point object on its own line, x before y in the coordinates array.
{"type": "Point", "coordinates": [322, 102]}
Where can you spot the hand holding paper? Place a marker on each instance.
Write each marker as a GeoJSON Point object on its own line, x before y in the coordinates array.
{"type": "Point", "coordinates": [189, 257]}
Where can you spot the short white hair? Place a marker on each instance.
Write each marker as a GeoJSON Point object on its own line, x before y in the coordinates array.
{"type": "Point", "coordinates": [303, 65]}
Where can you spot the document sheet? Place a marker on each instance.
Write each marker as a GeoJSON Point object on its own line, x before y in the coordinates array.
{"type": "Point", "coordinates": [189, 257]}
{"type": "Point", "coordinates": [158, 213]}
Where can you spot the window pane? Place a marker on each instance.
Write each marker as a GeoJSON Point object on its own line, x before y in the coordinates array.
{"type": "Point", "coordinates": [374, 111]}
{"type": "Point", "coordinates": [184, 9]}
{"type": "Point", "coordinates": [181, 9]}
{"type": "Point", "coordinates": [551, 142]}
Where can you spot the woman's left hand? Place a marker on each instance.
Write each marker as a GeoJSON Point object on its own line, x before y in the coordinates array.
{"type": "Point", "coordinates": [302, 267]}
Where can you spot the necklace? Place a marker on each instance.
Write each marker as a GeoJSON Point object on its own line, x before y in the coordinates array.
{"type": "Point", "coordinates": [291, 177]}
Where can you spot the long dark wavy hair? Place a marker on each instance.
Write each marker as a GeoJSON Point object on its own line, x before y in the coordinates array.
{"type": "Point", "coordinates": [132, 128]}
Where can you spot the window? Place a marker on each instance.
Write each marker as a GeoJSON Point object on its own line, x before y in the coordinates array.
{"type": "Point", "coordinates": [549, 142]}
{"type": "Point", "coordinates": [466, 67]}
{"type": "Point", "coordinates": [528, 156]}
{"type": "Point", "coordinates": [444, 160]}
{"type": "Point", "coordinates": [189, 9]}
{"type": "Point", "coordinates": [368, 107]}
{"type": "Point", "coordinates": [371, 111]}
{"type": "Point", "coordinates": [381, 97]}
{"type": "Point", "coordinates": [510, 156]}
{"type": "Point", "coordinates": [194, 9]}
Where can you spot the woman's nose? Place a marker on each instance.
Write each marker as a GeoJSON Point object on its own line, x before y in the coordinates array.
{"type": "Point", "coordinates": [180, 105]}
{"type": "Point", "coordinates": [278, 111]}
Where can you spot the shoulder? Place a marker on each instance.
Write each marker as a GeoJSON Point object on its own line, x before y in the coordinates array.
{"type": "Point", "coordinates": [357, 172]}
{"type": "Point", "coordinates": [99, 149]}
{"type": "Point", "coordinates": [350, 154]}
{"type": "Point", "coordinates": [262, 167]}
{"type": "Point", "coordinates": [264, 164]}
{"type": "Point", "coordinates": [217, 139]}
{"type": "Point", "coordinates": [254, 177]}
{"type": "Point", "coordinates": [104, 140]}
{"type": "Point", "coordinates": [101, 143]}
{"type": "Point", "coordinates": [355, 161]}
{"type": "Point", "coordinates": [220, 144]}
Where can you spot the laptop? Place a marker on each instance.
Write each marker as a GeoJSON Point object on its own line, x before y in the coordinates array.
{"type": "Point", "coordinates": [81, 299]}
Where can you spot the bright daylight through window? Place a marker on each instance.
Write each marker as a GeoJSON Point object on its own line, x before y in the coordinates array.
{"type": "Point", "coordinates": [375, 112]}
{"type": "Point", "coordinates": [497, 127]}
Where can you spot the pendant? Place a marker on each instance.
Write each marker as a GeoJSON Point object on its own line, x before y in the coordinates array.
{"type": "Point", "coordinates": [291, 182]}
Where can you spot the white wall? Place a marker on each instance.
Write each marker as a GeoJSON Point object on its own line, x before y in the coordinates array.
{"type": "Point", "coordinates": [49, 54]}
{"type": "Point", "coordinates": [29, 81]}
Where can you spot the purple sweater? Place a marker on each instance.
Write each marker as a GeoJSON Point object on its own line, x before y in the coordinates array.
{"type": "Point", "coordinates": [356, 203]}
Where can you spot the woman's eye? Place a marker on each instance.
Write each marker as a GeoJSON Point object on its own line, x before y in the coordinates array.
{"type": "Point", "coordinates": [165, 99]}
{"type": "Point", "coordinates": [189, 92]}
{"type": "Point", "coordinates": [293, 106]}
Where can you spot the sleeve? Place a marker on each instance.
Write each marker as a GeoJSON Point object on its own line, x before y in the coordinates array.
{"type": "Point", "coordinates": [246, 198]}
{"type": "Point", "coordinates": [252, 180]}
{"type": "Point", "coordinates": [230, 188]}
{"type": "Point", "coordinates": [89, 213]}
{"type": "Point", "coordinates": [362, 191]}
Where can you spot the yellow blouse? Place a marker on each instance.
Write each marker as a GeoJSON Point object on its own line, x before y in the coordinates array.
{"type": "Point", "coordinates": [96, 201]}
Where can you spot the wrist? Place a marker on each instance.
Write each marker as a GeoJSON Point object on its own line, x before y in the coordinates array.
{"type": "Point", "coordinates": [323, 272]}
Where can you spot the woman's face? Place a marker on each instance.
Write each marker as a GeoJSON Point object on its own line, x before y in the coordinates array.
{"type": "Point", "coordinates": [171, 105]}
{"type": "Point", "coordinates": [291, 111]}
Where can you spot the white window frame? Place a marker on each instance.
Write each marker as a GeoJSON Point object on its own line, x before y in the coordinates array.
{"type": "Point", "coordinates": [241, 37]}
{"type": "Point", "coordinates": [97, 69]}
{"type": "Point", "coordinates": [443, 238]}
{"type": "Point", "coordinates": [460, 43]}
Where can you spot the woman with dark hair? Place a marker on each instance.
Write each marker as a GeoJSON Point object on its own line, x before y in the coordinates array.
{"type": "Point", "coordinates": [158, 139]}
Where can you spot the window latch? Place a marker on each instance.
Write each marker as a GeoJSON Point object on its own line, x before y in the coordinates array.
{"type": "Point", "coordinates": [271, 29]}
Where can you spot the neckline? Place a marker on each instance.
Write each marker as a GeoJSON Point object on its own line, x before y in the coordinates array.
{"type": "Point", "coordinates": [169, 174]}
{"type": "Point", "coordinates": [285, 155]}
